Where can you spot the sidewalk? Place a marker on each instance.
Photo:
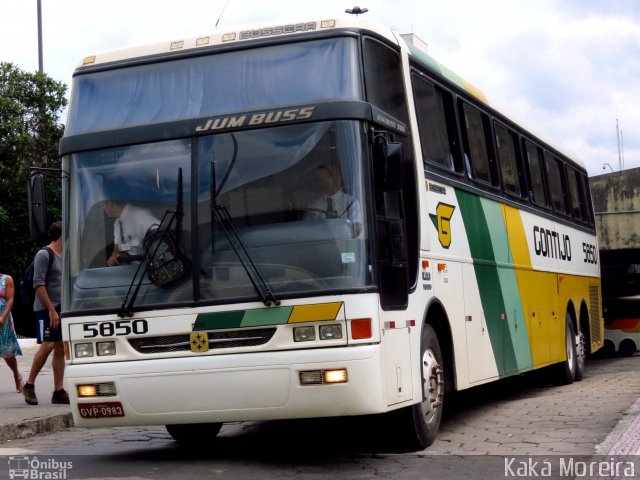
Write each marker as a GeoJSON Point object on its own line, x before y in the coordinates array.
{"type": "Point", "coordinates": [624, 439]}
{"type": "Point", "coordinates": [19, 420]}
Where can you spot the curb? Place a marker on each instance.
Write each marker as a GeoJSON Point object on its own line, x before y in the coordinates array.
{"type": "Point", "coordinates": [624, 439]}
{"type": "Point", "coordinates": [27, 421]}
{"type": "Point", "coordinates": [29, 428]}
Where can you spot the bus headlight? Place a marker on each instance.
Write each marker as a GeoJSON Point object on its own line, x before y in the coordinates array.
{"type": "Point", "coordinates": [330, 332]}
{"type": "Point", "coordinates": [83, 350]}
{"type": "Point", "coordinates": [304, 334]}
{"type": "Point", "coordinates": [106, 348]}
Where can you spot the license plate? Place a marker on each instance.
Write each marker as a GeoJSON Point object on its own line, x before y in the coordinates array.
{"type": "Point", "coordinates": [101, 410]}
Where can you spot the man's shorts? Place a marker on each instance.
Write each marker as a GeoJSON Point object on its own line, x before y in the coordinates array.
{"type": "Point", "coordinates": [44, 332]}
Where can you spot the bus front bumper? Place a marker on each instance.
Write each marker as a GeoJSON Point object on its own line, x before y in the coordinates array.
{"type": "Point", "coordinates": [225, 388]}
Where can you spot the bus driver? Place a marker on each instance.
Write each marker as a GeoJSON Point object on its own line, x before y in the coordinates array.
{"type": "Point", "coordinates": [131, 226]}
{"type": "Point", "coordinates": [334, 202]}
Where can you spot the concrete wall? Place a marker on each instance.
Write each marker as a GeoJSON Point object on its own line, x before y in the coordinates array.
{"type": "Point", "coordinates": [616, 203]}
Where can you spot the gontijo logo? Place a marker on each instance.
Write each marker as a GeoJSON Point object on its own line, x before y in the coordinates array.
{"type": "Point", "coordinates": [442, 221]}
{"type": "Point", "coordinates": [551, 244]}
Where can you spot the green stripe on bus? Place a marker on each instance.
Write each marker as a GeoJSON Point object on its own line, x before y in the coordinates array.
{"type": "Point", "coordinates": [217, 320]}
{"type": "Point", "coordinates": [266, 316]}
{"type": "Point", "coordinates": [516, 328]}
{"type": "Point", "coordinates": [488, 278]}
{"type": "Point", "coordinates": [242, 318]}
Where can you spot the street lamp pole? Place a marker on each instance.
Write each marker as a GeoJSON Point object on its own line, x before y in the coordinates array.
{"type": "Point", "coordinates": [40, 68]}
{"type": "Point", "coordinates": [619, 150]}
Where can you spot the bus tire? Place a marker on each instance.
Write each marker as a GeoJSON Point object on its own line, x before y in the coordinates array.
{"type": "Point", "coordinates": [581, 356]}
{"type": "Point", "coordinates": [627, 347]}
{"type": "Point", "coordinates": [424, 418]}
{"type": "Point", "coordinates": [565, 372]}
{"type": "Point", "coordinates": [191, 433]}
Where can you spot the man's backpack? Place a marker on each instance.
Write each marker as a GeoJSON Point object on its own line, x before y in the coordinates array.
{"type": "Point", "coordinates": [27, 293]}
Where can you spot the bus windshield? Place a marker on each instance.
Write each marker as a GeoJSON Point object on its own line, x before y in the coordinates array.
{"type": "Point", "coordinates": [234, 81]}
{"type": "Point", "coordinates": [293, 196]}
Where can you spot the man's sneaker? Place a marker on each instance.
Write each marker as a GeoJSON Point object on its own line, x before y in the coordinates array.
{"type": "Point", "coordinates": [29, 392]}
{"type": "Point", "coordinates": [60, 396]}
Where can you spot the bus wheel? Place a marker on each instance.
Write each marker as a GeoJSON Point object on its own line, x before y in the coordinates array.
{"type": "Point", "coordinates": [427, 414]}
{"type": "Point", "coordinates": [194, 432]}
{"type": "Point", "coordinates": [581, 355]}
{"type": "Point", "coordinates": [627, 347]}
{"type": "Point", "coordinates": [565, 372]}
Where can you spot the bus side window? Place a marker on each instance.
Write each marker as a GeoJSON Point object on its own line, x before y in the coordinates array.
{"type": "Point", "coordinates": [554, 178]}
{"type": "Point", "coordinates": [477, 155]}
{"type": "Point", "coordinates": [574, 195]}
{"type": "Point", "coordinates": [534, 165]}
{"type": "Point", "coordinates": [585, 199]}
{"type": "Point", "coordinates": [437, 131]}
{"type": "Point", "coordinates": [506, 146]}
{"type": "Point", "coordinates": [384, 79]}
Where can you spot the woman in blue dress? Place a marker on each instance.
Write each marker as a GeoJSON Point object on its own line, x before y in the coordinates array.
{"type": "Point", "coordinates": [9, 346]}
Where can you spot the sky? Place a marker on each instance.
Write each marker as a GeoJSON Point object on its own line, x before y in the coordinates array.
{"type": "Point", "coordinates": [569, 70]}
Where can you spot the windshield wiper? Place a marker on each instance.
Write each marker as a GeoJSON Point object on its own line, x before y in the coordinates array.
{"type": "Point", "coordinates": [159, 246]}
{"type": "Point", "coordinates": [260, 284]}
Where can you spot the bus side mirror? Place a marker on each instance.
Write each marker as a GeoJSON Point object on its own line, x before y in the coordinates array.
{"type": "Point", "coordinates": [36, 205]}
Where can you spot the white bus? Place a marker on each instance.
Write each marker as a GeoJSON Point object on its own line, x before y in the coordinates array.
{"type": "Point", "coordinates": [343, 227]}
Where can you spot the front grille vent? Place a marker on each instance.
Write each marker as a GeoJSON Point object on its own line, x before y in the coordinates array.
{"type": "Point", "coordinates": [217, 340]}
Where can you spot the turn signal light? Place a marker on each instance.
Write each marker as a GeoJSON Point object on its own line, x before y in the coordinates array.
{"type": "Point", "coordinates": [361, 328]}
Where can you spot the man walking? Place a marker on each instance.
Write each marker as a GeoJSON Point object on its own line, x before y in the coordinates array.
{"type": "Point", "coordinates": [47, 283]}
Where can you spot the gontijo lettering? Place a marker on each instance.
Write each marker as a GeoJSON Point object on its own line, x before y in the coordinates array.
{"type": "Point", "coordinates": [549, 243]}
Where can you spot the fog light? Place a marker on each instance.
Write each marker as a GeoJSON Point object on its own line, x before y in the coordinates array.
{"type": "Point", "coordinates": [323, 377]}
{"type": "Point", "coordinates": [335, 376]}
{"type": "Point", "coordinates": [304, 334]}
{"type": "Point", "coordinates": [106, 348]}
{"type": "Point", "coordinates": [86, 390]}
{"type": "Point", "coordinates": [83, 350]}
{"type": "Point", "coordinates": [107, 389]}
{"type": "Point", "coordinates": [330, 332]}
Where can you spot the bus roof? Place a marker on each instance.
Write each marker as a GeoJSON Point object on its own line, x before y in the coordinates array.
{"type": "Point", "coordinates": [235, 34]}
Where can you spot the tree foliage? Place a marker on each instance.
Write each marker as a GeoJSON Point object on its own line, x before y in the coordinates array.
{"type": "Point", "coordinates": [30, 130]}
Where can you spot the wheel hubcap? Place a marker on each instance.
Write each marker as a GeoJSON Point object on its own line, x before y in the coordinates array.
{"type": "Point", "coordinates": [570, 351]}
{"type": "Point", "coordinates": [432, 385]}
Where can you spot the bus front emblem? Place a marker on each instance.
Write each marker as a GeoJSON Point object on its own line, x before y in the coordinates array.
{"type": "Point", "coordinates": [199, 341]}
